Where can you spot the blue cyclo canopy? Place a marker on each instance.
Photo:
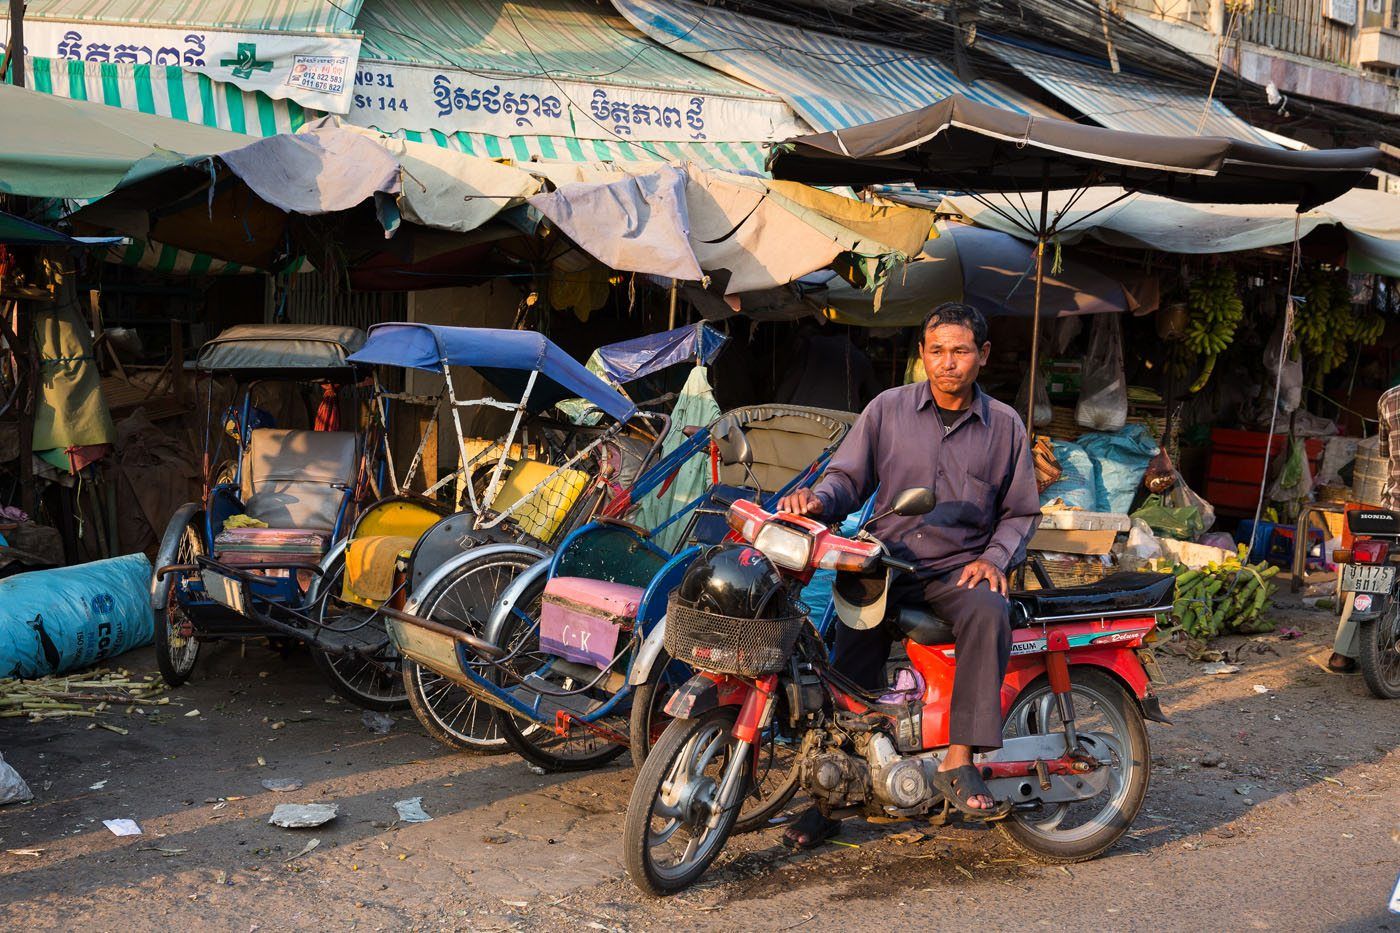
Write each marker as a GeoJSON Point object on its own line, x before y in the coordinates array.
{"type": "Point", "coordinates": [504, 358]}
{"type": "Point", "coordinates": [633, 359]}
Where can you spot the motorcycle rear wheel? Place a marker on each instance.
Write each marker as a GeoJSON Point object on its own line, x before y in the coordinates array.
{"type": "Point", "coordinates": [673, 796]}
{"type": "Point", "coordinates": [1380, 653]}
{"type": "Point", "coordinates": [1106, 710]}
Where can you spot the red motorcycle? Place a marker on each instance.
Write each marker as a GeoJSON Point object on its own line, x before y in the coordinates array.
{"type": "Point", "coordinates": [1068, 781]}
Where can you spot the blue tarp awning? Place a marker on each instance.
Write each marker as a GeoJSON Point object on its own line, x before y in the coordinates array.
{"type": "Point", "coordinates": [634, 359]}
{"type": "Point", "coordinates": [504, 358]}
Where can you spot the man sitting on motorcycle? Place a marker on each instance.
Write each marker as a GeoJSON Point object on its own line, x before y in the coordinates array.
{"type": "Point", "coordinates": [973, 451]}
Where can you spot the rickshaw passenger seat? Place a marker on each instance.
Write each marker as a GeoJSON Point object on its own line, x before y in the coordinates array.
{"type": "Point", "coordinates": [545, 505]}
{"type": "Point", "coordinates": [298, 479]}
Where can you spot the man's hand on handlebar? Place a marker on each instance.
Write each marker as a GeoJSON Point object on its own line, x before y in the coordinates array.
{"type": "Point", "coordinates": [979, 570]}
{"type": "Point", "coordinates": [801, 502]}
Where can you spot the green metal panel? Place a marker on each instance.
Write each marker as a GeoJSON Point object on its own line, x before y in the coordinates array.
{"type": "Point", "coordinates": [568, 40]}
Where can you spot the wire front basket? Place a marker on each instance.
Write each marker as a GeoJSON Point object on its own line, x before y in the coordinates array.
{"type": "Point", "coordinates": [728, 644]}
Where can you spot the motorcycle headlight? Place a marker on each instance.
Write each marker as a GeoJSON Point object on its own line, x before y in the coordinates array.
{"type": "Point", "coordinates": [789, 548]}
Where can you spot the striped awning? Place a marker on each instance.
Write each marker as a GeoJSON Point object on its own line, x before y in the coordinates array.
{"type": "Point", "coordinates": [1123, 101]}
{"type": "Point", "coordinates": [173, 92]}
{"type": "Point", "coordinates": [831, 82]}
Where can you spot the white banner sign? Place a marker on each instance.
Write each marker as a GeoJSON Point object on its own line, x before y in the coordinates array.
{"type": "Point", "coordinates": [393, 96]}
{"type": "Point", "coordinates": [313, 70]}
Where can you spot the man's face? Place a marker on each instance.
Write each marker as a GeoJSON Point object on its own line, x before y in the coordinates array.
{"type": "Point", "coordinates": [952, 358]}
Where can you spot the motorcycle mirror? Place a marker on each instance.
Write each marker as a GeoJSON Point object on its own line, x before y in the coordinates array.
{"type": "Point", "coordinates": [732, 444]}
{"type": "Point", "coordinates": [917, 500]}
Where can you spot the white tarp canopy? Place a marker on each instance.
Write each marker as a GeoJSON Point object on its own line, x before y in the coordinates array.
{"type": "Point", "coordinates": [685, 224]}
{"type": "Point", "coordinates": [1370, 218]}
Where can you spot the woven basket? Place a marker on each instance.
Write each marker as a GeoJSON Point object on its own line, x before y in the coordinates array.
{"type": "Point", "coordinates": [1068, 571]}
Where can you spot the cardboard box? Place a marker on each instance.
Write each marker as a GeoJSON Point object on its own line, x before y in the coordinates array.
{"type": "Point", "coordinates": [1073, 541]}
{"type": "Point", "coordinates": [1086, 521]}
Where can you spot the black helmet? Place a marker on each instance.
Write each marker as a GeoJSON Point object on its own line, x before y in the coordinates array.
{"type": "Point", "coordinates": [734, 580]}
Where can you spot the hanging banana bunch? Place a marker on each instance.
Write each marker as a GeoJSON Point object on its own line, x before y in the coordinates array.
{"type": "Point", "coordinates": [1327, 324]}
{"type": "Point", "coordinates": [1216, 310]}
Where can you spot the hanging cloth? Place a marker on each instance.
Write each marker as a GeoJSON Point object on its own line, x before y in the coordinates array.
{"type": "Point", "coordinates": [328, 411]}
{"type": "Point", "coordinates": [696, 405]}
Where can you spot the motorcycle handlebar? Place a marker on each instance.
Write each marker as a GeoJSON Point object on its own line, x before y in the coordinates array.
{"type": "Point", "coordinates": [897, 564]}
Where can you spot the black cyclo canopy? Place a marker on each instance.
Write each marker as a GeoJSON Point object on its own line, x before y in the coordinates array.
{"type": "Point", "coordinates": [960, 144]}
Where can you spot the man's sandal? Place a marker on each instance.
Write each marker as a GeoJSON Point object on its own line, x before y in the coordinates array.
{"type": "Point", "coordinates": [960, 785]}
{"type": "Point", "coordinates": [810, 830]}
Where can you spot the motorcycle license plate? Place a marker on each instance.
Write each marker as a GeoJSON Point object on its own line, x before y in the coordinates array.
{"type": "Point", "coordinates": [1360, 578]}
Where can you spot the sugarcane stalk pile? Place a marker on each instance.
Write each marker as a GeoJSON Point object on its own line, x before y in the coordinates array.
{"type": "Point", "coordinates": [1226, 596]}
{"type": "Point", "coordinates": [91, 695]}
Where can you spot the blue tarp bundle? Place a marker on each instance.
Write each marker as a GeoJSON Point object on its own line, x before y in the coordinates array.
{"type": "Point", "coordinates": [634, 359]}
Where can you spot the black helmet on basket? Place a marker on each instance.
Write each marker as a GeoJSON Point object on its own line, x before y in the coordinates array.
{"type": "Point", "coordinates": [736, 581]}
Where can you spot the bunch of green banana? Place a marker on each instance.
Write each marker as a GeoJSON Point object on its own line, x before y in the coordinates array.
{"type": "Point", "coordinates": [1222, 597]}
{"type": "Point", "coordinates": [1326, 323]}
{"type": "Point", "coordinates": [1216, 310]}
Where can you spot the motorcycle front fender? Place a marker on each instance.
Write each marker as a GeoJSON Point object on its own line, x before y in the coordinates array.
{"type": "Point", "coordinates": [704, 692]}
{"type": "Point", "coordinates": [646, 656]}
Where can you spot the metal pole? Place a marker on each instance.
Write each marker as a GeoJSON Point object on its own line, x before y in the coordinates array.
{"type": "Point", "coordinates": [1039, 280]}
{"type": "Point", "coordinates": [14, 50]}
{"type": "Point", "coordinates": [674, 289]}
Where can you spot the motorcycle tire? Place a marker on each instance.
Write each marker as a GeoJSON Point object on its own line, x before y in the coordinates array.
{"type": "Point", "coordinates": [776, 770]}
{"type": "Point", "coordinates": [1379, 657]}
{"type": "Point", "coordinates": [685, 742]}
{"type": "Point", "coordinates": [1041, 837]}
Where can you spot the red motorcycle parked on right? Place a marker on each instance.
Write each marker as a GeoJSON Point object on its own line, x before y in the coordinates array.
{"type": "Point", "coordinates": [1068, 781]}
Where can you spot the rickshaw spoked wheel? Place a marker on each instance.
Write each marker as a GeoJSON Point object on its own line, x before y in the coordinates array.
{"type": "Point", "coordinates": [374, 682]}
{"type": "Point", "coordinates": [177, 648]}
{"type": "Point", "coordinates": [464, 599]}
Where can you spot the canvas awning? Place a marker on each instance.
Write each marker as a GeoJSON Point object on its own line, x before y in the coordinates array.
{"type": "Point", "coordinates": [1122, 101]}
{"type": "Point", "coordinates": [86, 150]}
{"type": "Point", "coordinates": [563, 68]}
{"type": "Point", "coordinates": [831, 81]}
{"type": "Point", "coordinates": [984, 268]}
{"type": "Point", "coordinates": [962, 145]}
{"type": "Point", "coordinates": [1143, 221]}
{"type": "Point", "coordinates": [300, 50]}
{"type": "Point", "coordinates": [748, 233]}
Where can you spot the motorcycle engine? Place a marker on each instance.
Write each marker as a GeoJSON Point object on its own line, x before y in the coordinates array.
{"type": "Point", "coordinates": [836, 778]}
{"type": "Point", "coordinates": [898, 782]}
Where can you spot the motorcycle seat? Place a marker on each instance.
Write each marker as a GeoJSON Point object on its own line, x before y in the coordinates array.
{"type": "Point", "coordinates": [1117, 592]}
{"type": "Point", "coordinates": [1379, 522]}
{"type": "Point", "coordinates": [921, 626]}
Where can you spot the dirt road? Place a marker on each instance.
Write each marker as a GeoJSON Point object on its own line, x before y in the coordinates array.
{"type": "Point", "coordinates": [1274, 810]}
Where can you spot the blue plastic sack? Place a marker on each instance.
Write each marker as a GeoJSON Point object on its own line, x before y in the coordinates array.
{"type": "Point", "coordinates": [1121, 459]}
{"type": "Point", "coordinates": [52, 621]}
{"type": "Point", "coordinates": [1077, 485]}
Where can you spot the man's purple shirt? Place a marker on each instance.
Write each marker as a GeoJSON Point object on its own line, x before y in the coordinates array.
{"type": "Point", "coordinates": [981, 473]}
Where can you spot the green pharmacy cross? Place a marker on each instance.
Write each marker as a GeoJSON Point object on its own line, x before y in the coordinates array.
{"type": "Point", "coordinates": [247, 61]}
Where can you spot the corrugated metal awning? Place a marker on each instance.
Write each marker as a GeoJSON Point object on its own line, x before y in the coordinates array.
{"type": "Point", "coordinates": [831, 82]}
{"type": "Point", "coordinates": [273, 15]}
{"type": "Point", "coordinates": [1123, 101]}
{"type": "Point", "coordinates": [548, 67]}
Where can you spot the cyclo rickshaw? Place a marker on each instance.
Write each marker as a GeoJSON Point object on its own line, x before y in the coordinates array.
{"type": "Point", "coordinates": [566, 651]}
{"type": "Point", "coordinates": [571, 441]}
{"type": "Point", "coordinates": [275, 507]}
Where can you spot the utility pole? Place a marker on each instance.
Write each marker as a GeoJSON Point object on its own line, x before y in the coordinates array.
{"type": "Point", "coordinates": [14, 50]}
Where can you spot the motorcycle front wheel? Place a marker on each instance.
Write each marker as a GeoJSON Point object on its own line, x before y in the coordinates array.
{"type": "Point", "coordinates": [676, 824]}
{"type": "Point", "coordinates": [1380, 653]}
{"type": "Point", "coordinates": [1077, 832]}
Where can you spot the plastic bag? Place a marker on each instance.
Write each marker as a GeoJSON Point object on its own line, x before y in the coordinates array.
{"type": "Point", "coordinates": [12, 786]}
{"type": "Point", "coordinates": [1142, 543]}
{"type": "Point", "coordinates": [1043, 412]}
{"type": "Point", "coordinates": [1182, 523]}
{"type": "Point", "coordinates": [1182, 496]}
{"type": "Point", "coordinates": [1103, 393]}
{"type": "Point", "coordinates": [1077, 484]}
{"type": "Point", "coordinates": [53, 621]}
{"type": "Point", "coordinates": [1120, 460]}
{"type": "Point", "coordinates": [1294, 484]}
{"type": "Point", "coordinates": [1290, 393]}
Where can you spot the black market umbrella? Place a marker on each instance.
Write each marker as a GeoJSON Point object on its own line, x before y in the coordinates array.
{"type": "Point", "coordinates": [960, 145]}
